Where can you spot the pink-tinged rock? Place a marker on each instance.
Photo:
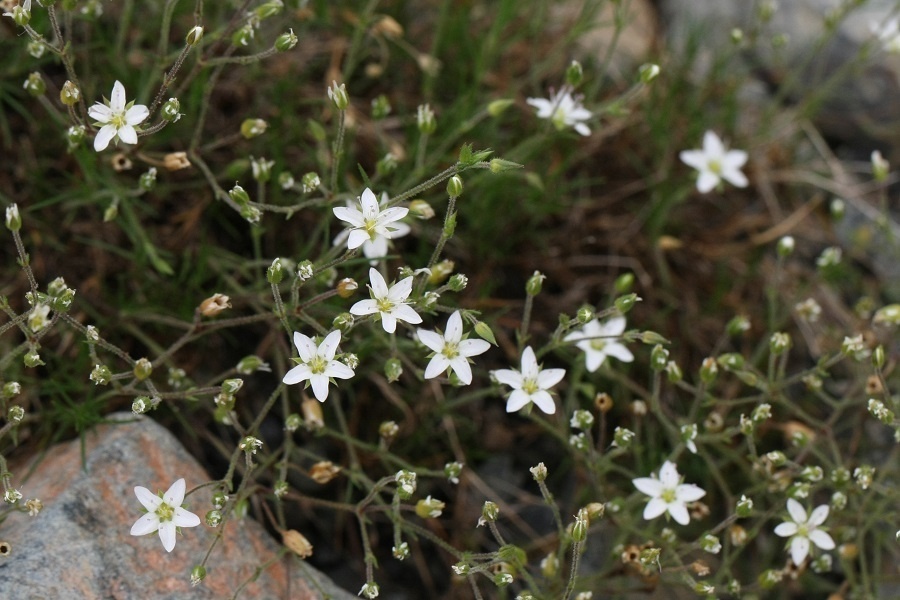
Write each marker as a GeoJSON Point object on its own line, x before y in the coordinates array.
{"type": "Point", "coordinates": [80, 545]}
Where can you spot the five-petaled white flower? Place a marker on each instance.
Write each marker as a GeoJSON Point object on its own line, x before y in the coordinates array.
{"type": "Point", "coordinates": [803, 530]}
{"type": "Point", "coordinates": [667, 494]}
{"type": "Point", "coordinates": [531, 384]}
{"type": "Point", "coordinates": [164, 514]}
{"type": "Point", "coordinates": [599, 341]}
{"type": "Point", "coordinates": [118, 118]}
{"type": "Point", "coordinates": [317, 364]}
{"type": "Point", "coordinates": [370, 227]}
{"type": "Point", "coordinates": [390, 304]}
{"type": "Point", "coordinates": [715, 163]}
{"type": "Point", "coordinates": [888, 33]}
{"type": "Point", "coordinates": [451, 351]}
{"type": "Point", "coordinates": [563, 110]}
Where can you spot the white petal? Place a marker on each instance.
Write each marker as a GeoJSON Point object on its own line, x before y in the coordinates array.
{"type": "Point", "coordinates": [329, 345]}
{"type": "Point", "coordinates": [297, 374]}
{"type": "Point", "coordinates": [167, 535]}
{"type": "Point", "coordinates": [454, 330]}
{"type": "Point", "coordinates": [388, 322]}
{"type": "Point", "coordinates": [693, 158]}
{"type": "Point", "coordinates": [517, 399]}
{"type": "Point", "coordinates": [136, 114]}
{"type": "Point", "coordinates": [369, 203]}
{"type": "Point", "coordinates": [618, 351]}
{"type": "Point", "coordinates": [434, 341]}
{"type": "Point", "coordinates": [117, 99]}
{"type": "Point", "coordinates": [185, 518]}
{"type": "Point", "coordinates": [734, 159]}
{"type": "Point", "coordinates": [127, 134]}
{"type": "Point", "coordinates": [688, 492]}
{"type": "Point", "coordinates": [375, 249]}
{"type": "Point", "coordinates": [799, 550]}
{"type": "Point", "coordinates": [550, 377]}
{"type": "Point", "coordinates": [356, 239]}
{"type": "Point", "coordinates": [712, 145]}
{"type": "Point", "coordinates": [146, 524]}
{"type": "Point", "coordinates": [821, 539]}
{"type": "Point", "coordinates": [544, 107]}
{"type": "Point", "coordinates": [654, 508]}
{"type": "Point", "coordinates": [401, 290]}
{"type": "Point", "coordinates": [174, 496]}
{"type": "Point", "coordinates": [148, 499]}
{"type": "Point", "coordinates": [648, 485]}
{"type": "Point", "coordinates": [103, 137]}
{"type": "Point", "coordinates": [436, 366]}
{"type": "Point", "coordinates": [379, 286]}
{"type": "Point", "coordinates": [583, 129]}
{"type": "Point", "coordinates": [392, 214]}
{"type": "Point", "coordinates": [786, 529]}
{"type": "Point", "coordinates": [306, 348]}
{"type": "Point", "coordinates": [407, 313]}
{"type": "Point", "coordinates": [397, 230]}
{"type": "Point", "coordinates": [364, 307]}
{"type": "Point", "coordinates": [100, 112]}
{"type": "Point", "coordinates": [707, 181]}
{"type": "Point", "coordinates": [473, 347]}
{"type": "Point", "coordinates": [509, 377]}
{"type": "Point", "coordinates": [796, 510]}
{"type": "Point", "coordinates": [319, 383]}
{"type": "Point", "coordinates": [530, 368]}
{"type": "Point", "coordinates": [339, 370]}
{"type": "Point", "coordinates": [593, 359]}
{"type": "Point", "coordinates": [679, 512]}
{"type": "Point", "coordinates": [735, 178]}
{"type": "Point", "coordinates": [818, 516]}
{"type": "Point", "coordinates": [462, 369]}
{"type": "Point", "coordinates": [350, 215]}
{"type": "Point", "coordinates": [544, 401]}
{"type": "Point", "coordinates": [668, 475]}
{"type": "Point", "coordinates": [612, 328]}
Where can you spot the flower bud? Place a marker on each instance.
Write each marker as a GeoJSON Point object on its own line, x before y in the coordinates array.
{"type": "Point", "coordinates": [455, 186]}
{"type": "Point", "coordinates": [779, 343]}
{"type": "Point", "coordinates": [261, 169]}
{"type": "Point", "coordinates": [648, 72]}
{"type": "Point", "coordinates": [535, 283]}
{"type": "Point", "coordinates": [286, 41]}
{"type": "Point", "coordinates": [673, 372]}
{"type": "Point", "coordinates": [580, 529]}
{"type": "Point", "coordinates": [369, 590]}
{"type": "Point", "coordinates": [622, 438]}
{"type": "Point", "coordinates": [147, 180]}
{"type": "Point", "coordinates": [490, 511]}
{"type": "Point", "coordinates": [305, 270]}
{"type": "Point", "coordinates": [10, 389]}
{"type": "Point", "coordinates": [497, 107]}
{"type": "Point", "coordinates": [36, 49]}
{"type": "Point", "coordinates": [101, 375]}
{"type": "Point", "coordinates": [574, 74]}
{"type": "Point", "coordinates": [347, 287]}
{"type": "Point", "coordinates": [406, 484]}
{"type": "Point", "coordinates": [35, 85]}
{"type": "Point", "coordinates": [312, 413]}
{"type": "Point", "coordinates": [625, 303]}
{"type": "Point", "coordinates": [239, 195]}
{"type": "Point", "coordinates": [458, 282]}
{"type": "Point", "coordinates": [499, 165]}
{"type": "Point", "coordinates": [338, 95]}
{"type": "Point", "coordinates": [140, 405]}
{"type": "Point", "coordinates": [452, 471]}
{"type": "Point", "coordinates": [13, 220]}
{"type": "Point", "coordinates": [539, 472]}
{"type": "Point", "coordinates": [170, 110]}
{"type": "Point", "coordinates": [250, 444]}
{"type": "Point", "coordinates": [242, 36]}
{"type": "Point", "coordinates": [69, 94]}
{"type": "Point", "coordinates": [297, 543]}
{"type": "Point", "coordinates": [425, 119]}
{"type": "Point", "coordinates": [215, 304]}
{"type": "Point", "coordinates": [15, 414]}
{"type": "Point", "coordinates": [292, 422]}
{"type": "Point", "coordinates": [659, 358]}
{"type": "Point", "coordinates": [324, 471]}
{"type": "Point", "coordinates": [20, 14]}
{"type": "Point", "coordinates": [275, 272]}
{"type": "Point", "coordinates": [310, 182]}
{"type": "Point", "coordinates": [193, 36]}
{"type": "Point", "coordinates": [737, 325]}
{"type": "Point", "coordinates": [421, 209]}
{"type": "Point", "coordinates": [175, 161]}
{"type": "Point", "coordinates": [381, 107]}
{"type": "Point", "coordinates": [213, 518]}
{"type": "Point", "coordinates": [582, 419]}
{"type": "Point", "coordinates": [251, 128]}
{"type": "Point", "coordinates": [878, 357]}
{"type": "Point", "coordinates": [708, 370]}
{"type": "Point", "coordinates": [393, 369]}
{"type": "Point", "coordinates": [388, 430]}
{"type": "Point", "coordinates": [231, 386]}
{"type": "Point", "coordinates": [142, 369]}
{"type": "Point", "coordinates": [32, 359]}
{"type": "Point", "coordinates": [440, 271]}
{"type": "Point", "coordinates": [198, 574]}
{"type": "Point", "coordinates": [880, 167]}
{"type": "Point", "coordinates": [343, 322]}
{"type": "Point", "coordinates": [785, 246]}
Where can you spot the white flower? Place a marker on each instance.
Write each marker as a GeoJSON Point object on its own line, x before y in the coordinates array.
{"type": "Point", "coordinates": [802, 531]}
{"type": "Point", "coordinates": [451, 351]}
{"type": "Point", "coordinates": [667, 494]}
{"type": "Point", "coordinates": [563, 110]}
{"type": "Point", "coordinates": [164, 514]}
{"type": "Point", "coordinates": [715, 163]}
{"type": "Point", "coordinates": [599, 341]}
{"type": "Point", "coordinates": [388, 303]}
{"type": "Point", "coordinates": [531, 384]}
{"type": "Point", "coordinates": [20, 11]}
{"type": "Point", "coordinates": [370, 227]}
{"type": "Point", "coordinates": [118, 119]}
{"type": "Point", "coordinates": [317, 364]}
{"type": "Point", "coordinates": [888, 33]}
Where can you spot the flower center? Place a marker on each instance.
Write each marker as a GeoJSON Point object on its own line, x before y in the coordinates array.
{"type": "Point", "coordinates": [318, 364]}
{"type": "Point", "coordinates": [450, 351]}
{"type": "Point", "coordinates": [165, 512]}
{"type": "Point", "coordinates": [118, 120]}
{"type": "Point", "coordinates": [559, 117]}
{"type": "Point", "coordinates": [802, 530]}
{"type": "Point", "coordinates": [668, 495]}
{"type": "Point", "coordinates": [530, 386]}
{"type": "Point", "coordinates": [384, 305]}
{"type": "Point", "coordinates": [715, 166]}
{"type": "Point", "coordinates": [370, 225]}
{"type": "Point", "coordinates": [598, 344]}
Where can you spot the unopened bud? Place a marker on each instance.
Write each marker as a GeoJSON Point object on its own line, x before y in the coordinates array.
{"type": "Point", "coordinates": [648, 72]}
{"type": "Point", "coordinates": [142, 369]}
{"type": "Point", "coordinates": [535, 283]}
{"type": "Point", "coordinates": [13, 220]}
{"type": "Point", "coordinates": [170, 110]}
{"type": "Point", "coordinates": [455, 186]}
{"type": "Point", "coordinates": [421, 209]}
{"type": "Point", "coordinates": [338, 95]}
{"type": "Point", "coordinates": [393, 369]}
{"type": "Point", "coordinates": [347, 287]}
{"type": "Point", "coordinates": [497, 107]}
{"type": "Point", "coordinates": [880, 167]}
{"type": "Point", "coordinates": [69, 94]}
{"type": "Point", "coordinates": [215, 304]}
{"type": "Point", "coordinates": [625, 303]}
{"type": "Point", "coordinates": [425, 119]}
{"type": "Point", "coordinates": [239, 195]}
{"type": "Point", "coordinates": [193, 36]}
{"type": "Point", "coordinates": [297, 543]}
{"type": "Point", "coordinates": [286, 41]}
{"type": "Point", "coordinates": [251, 128]}
{"type": "Point", "coordinates": [35, 85]}
{"type": "Point", "coordinates": [574, 74]}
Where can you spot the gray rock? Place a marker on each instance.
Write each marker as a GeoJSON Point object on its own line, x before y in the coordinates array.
{"type": "Point", "coordinates": [79, 545]}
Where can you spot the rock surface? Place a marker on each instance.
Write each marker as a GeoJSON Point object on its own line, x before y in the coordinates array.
{"type": "Point", "coordinates": [80, 546]}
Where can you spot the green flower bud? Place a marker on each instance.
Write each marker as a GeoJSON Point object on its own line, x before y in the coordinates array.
{"type": "Point", "coordinates": [251, 128]}
{"type": "Point", "coordinates": [286, 180]}
{"type": "Point", "coordinates": [582, 419]}
{"type": "Point", "coordinates": [213, 518]}
{"type": "Point", "coordinates": [15, 414]}
{"type": "Point", "coordinates": [75, 135]}
{"type": "Point", "coordinates": [737, 325]}
{"type": "Point", "coordinates": [393, 369]}
{"type": "Point", "coordinates": [268, 9]}
{"type": "Point", "coordinates": [622, 438]}
{"type": "Point", "coordinates": [310, 182]}
{"type": "Point", "coordinates": [458, 282]}
{"type": "Point", "coordinates": [198, 574]}
{"type": "Point", "coordinates": [711, 544]}
{"type": "Point", "coordinates": [101, 375]}
{"type": "Point", "coordinates": [10, 389]}
{"type": "Point", "coordinates": [659, 358]}
{"type": "Point", "coordinates": [673, 372]}
{"type": "Point", "coordinates": [499, 165]}
{"type": "Point", "coordinates": [20, 14]}
{"type": "Point", "coordinates": [580, 529]}
{"type": "Point", "coordinates": [785, 246]}
{"type": "Point", "coordinates": [574, 74]}
{"type": "Point", "coordinates": [388, 430]}
{"type": "Point", "coordinates": [776, 457]}
{"type": "Point", "coordinates": [69, 94]}
{"type": "Point", "coordinates": [624, 283]}
{"type": "Point", "coordinates": [648, 72]}
{"type": "Point", "coordinates": [250, 444]}
{"type": "Point", "coordinates": [292, 422]}
{"type": "Point", "coordinates": [455, 186]}
{"type": "Point", "coordinates": [888, 315]}
{"type": "Point", "coordinates": [32, 359]}
{"type": "Point", "coordinates": [838, 209]}
{"type": "Point", "coordinates": [231, 386]}
{"type": "Point", "coordinates": [425, 119]}
{"type": "Point", "coordinates": [13, 220]}
{"type": "Point", "coordinates": [261, 169]}
{"type": "Point", "coordinates": [147, 180]}
{"type": "Point", "coordinates": [731, 361]}
{"type": "Point", "coordinates": [305, 270]}
{"type": "Point", "coordinates": [483, 331]}
{"type": "Point", "coordinates": [338, 95]}
{"type": "Point", "coordinates": [625, 303]}
{"type": "Point", "coordinates": [744, 507]}
{"type": "Point", "coordinates": [878, 357]}
{"type": "Point", "coordinates": [779, 343]}
{"type": "Point", "coordinates": [490, 511]}
{"type": "Point", "coordinates": [193, 36]}
{"type": "Point", "coordinates": [36, 49]}
{"type": "Point", "coordinates": [880, 167]}
{"type": "Point", "coordinates": [239, 195]}
{"type": "Point", "coordinates": [381, 107]}
{"type": "Point", "coordinates": [452, 471]}
{"type": "Point", "coordinates": [35, 85]}
{"type": "Point", "coordinates": [170, 110]}
{"type": "Point", "coordinates": [406, 483]}
{"type": "Point", "coordinates": [242, 36]}
{"type": "Point", "coordinates": [286, 41]}
{"type": "Point", "coordinates": [142, 369]}
{"type": "Point", "coordinates": [535, 283]}
{"type": "Point", "coordinates": [421, 209]}
{"type": "Point", "coordinates": [497, 107]}
{"type": "Point", "coordinates": [585, 314]}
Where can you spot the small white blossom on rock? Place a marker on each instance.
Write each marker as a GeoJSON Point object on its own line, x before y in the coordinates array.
{"type": "Point", "coordinates": [599, 341]}
{"type": "Point", "coordinates": [117, 119]}
{"type": "Point", "coordinates": [715, 163]}
{"type": "Point", "coordinates": [389, 303]}
{"type": "Point", "coordinates": [164, 514]}
{"type": "Point", "coordinates": [803, 530]}
{"type": "Point", "coordinates": [531, 384]}
{"type": "Point", "coordinates": [317, 364]}
{"type": "Point", "coordinates": [451, 350]}
{"type": "Point", "coordinates": [563, 110]}
{"type": "Point", "coordinates": [667, 494]}
{"type": "Point", "coordinates": [370, 227]}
